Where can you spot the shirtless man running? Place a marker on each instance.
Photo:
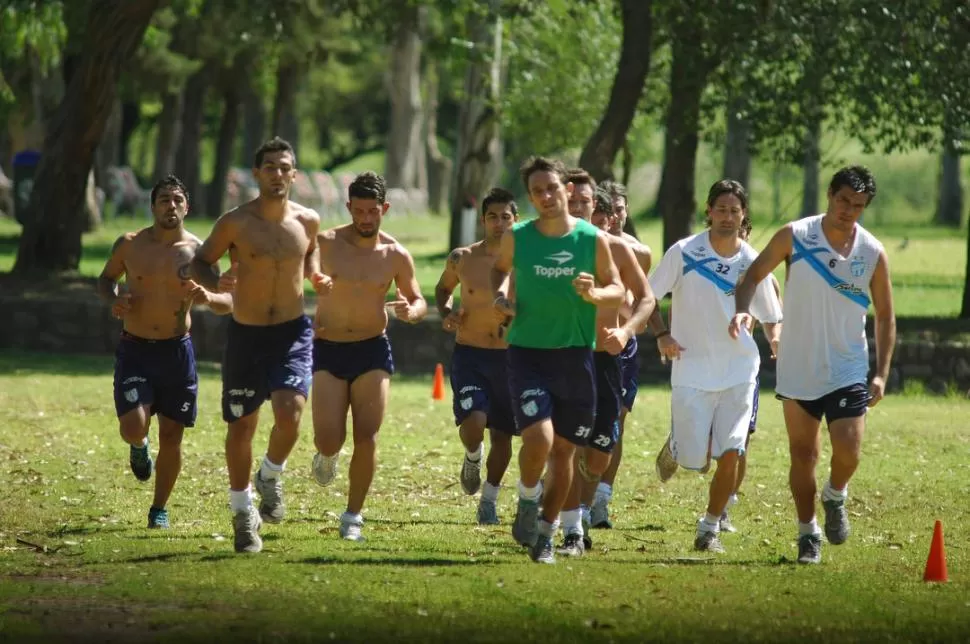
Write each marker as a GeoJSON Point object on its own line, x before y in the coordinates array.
{"type": "Point", "coordinates": [155, 360]}
{"type": "Point", "coordinates": [629, 358]}
{"type": "Point", "coordinates": [352, 360]}
{"type": "Point", "coordinates": [272, 244]}
{"type": "Point", "coordinates": [479, 379]}
{"type": "Point", "coordinates": [595, 206]}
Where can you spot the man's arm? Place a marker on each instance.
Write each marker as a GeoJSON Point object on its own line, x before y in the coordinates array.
{"type": "Point", "coordinates": [610, 292]}
{"type": "Point", "coordinates": [635, 280]}
{"type": "Point", "coordinates": [503, 266]}
{"type": "Point", "coordinates": [415, 308]}
{"type": "Point", "coordinates": [205, 263]}
{"type": "Point", "coordinates": [644, 257]}
{"type": "Point", "coordinates": [113, 269]}
{"type": "Point", "coordinates": [880, 287]}
{"type": "Point", "coordinates": [447, 283]}
{"type": "Point", "coordinates": [774, 253]}
{"type": "Point", "coordinates": [311, 262]}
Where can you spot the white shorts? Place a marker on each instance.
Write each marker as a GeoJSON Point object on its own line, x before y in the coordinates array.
{"type": "Point", "coordinates": [718, 418]}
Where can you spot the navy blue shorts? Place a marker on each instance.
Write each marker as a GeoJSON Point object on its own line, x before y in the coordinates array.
{"type": "Point", "coordinates": [846, 402]}
{"type": "Point", "coordinates": [606, 426]}
{"type": "Point", "coordinates": [479, 382]}
{"type": "Point", "coordinates": [350, 360]}
{"type": "Point", "coordinates": [159, 374]}
{"type": "Point", "coordinates": [630, 371]}
{"type": "Point", "coordinates": [259, 360]}
{"type": "Point", "coordinates": [555, 384]}
{"type": "Point", "coordinates": [754, 406]}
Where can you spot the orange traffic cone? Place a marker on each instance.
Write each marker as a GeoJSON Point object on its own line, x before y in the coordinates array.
{"type": "Point", "coordinates": [936, 562]}
{"type": "Point", "coordinates": [438, 390]}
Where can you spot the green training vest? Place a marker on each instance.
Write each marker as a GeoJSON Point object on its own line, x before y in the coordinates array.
{"type": "Point", "coordinates": [548, 312]}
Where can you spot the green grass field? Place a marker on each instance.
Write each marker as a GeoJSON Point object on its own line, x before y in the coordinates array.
{"type": "Point", "coordinates": [78, 563]}
{"type": "Point", "coordinates": [927, 271]}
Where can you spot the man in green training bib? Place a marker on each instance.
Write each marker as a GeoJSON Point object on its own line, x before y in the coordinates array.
{"type": "Point", "coordinates": [563, 271]}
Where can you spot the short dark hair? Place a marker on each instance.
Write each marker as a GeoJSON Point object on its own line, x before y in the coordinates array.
{"type": "Point", "coordinates": [731, 187]}
{"type": "Point", "coordinates": [276, 144]}
{"type": "Point", "coordinates": [579, 177]}
{"type": "Point", "coordinates": [615, 189]}
{"type": "Point", "coordinates": [368, 185]}
{"type": "Point", "coordinates": [172, 183]}
{"type": "Point", "coordinates": [499, 195]}
{"type": "Point", "coordinates": [857, 177]}
{"type": "Point", "coordinates": [602, 202]}
{"type": "Point", "coordinates": [541, 164]}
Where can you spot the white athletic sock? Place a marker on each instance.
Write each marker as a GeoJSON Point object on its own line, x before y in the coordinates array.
{"type": "Point", "coordinates": [354, 519]}
{"type": "Point", "coordinates": [604, 493]}
{"type": "Point", "coordinates": [241, 500]}
{"type": "Point", "coordinates": [709, 523]}
{"type": "Point", "coordinates": [530, 493]}
{"type": "Point", "coordinates": [732, 500]}
{"type": "Point", "coordinates": [809, 528]}
{"type": "Point", "coordinates": [547, 529]}
{"type": "Point", "coordinates": [584, 509]}
{"type": "Point", "coordinates": [829, 493]}
{"type": "Point", "coordinates": [143, 443]}
{"type": "Point", "coordinates": [490, 492]}
{"type": "Point", "coordinates": [475, 456]}
{"type": "Point", "coordinates": [270, 470]}
{"type": "Point", "coordinates": [571, 521]}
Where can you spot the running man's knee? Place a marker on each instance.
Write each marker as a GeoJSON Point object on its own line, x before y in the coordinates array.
{"type": "Point", "coordinates": [170, 433]}
{"type": "Point", "coordinates": [133, 425]}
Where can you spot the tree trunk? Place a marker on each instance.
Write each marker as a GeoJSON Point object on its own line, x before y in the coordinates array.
{"type": "Point", "coordinates": [404, 150]}
{"type": "Point", "coordinates": [254, 126]}
{"type": "Point", "coordinates": [130, 118]}
{"type": "Point", "coordinates": [631, 72]}
{"type": "Point", "coordinates": [224, 149]}
{"type": "Point", "coordinates": [168, 134]}
{"type": "Point", "coordinates": [737, 148]}
{"type": "Point", "coordinates": [688, 77]}
{"type": "Point", "coordinates": [107, 152]}
{"type": "Point", "coordinates": [188, 157]}
{"type": "Point", "coordinates": [285, 122]}
{"type": "Point", "coordinates": [479, 148]}
{"type": "Point", "coordinates": [949, 205]}
{"type": "Point", "coordinates": [439, 166]}
{"type": "Point", "coordinates": [810, 169]}
{"type": "Point", "coordinates": [51, 240]}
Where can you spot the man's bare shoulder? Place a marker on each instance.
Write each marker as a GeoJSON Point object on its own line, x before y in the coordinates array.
{"type": "Point", "coordinates": [126, 239]}
{"type": "Point", "coordinates": [636, 245]}
{"type": "Point", "coordinates": [458, 254]}
{"type": "Point", "coordinates": [304, 214]}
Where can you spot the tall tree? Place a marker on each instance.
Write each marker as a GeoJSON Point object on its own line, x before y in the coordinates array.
{"type": "Point", "coordinates": [406, 156]}
{"type": "Point", "coordinates": [51, 240]}
{"type": "Point", "coordinates": [631, 72]}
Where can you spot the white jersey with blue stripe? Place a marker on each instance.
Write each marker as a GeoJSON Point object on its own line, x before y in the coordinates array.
{"type": "Point", "coordinates": [823, 341]}
{"type": "Point", "coordinates": [702, 284]}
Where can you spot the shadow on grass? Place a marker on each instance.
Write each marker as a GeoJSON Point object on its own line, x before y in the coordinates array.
{"type": "Point", "coordinates": [425, 562]}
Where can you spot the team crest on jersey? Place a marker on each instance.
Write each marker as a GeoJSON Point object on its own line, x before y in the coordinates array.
{"type": "Point", "coordinates": [466, 403]}
{"type": "Point", "coordinates": [236, 409]}
{"type": "Point", "coordinates": [131, 395]}
{"type": "Point", "coordinates": [858, 266]}
{"type": "Point", "coordinates": [530, 408]}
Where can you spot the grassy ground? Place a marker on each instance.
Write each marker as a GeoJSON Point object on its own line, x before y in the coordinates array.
{"type": "Point", "coordinates": [78, 564]}
{"type": "Point", "coordinates": [928, 263]}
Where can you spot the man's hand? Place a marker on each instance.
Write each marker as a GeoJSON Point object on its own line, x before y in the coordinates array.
{"type": "Point", "coordinates": [738, 322]}
{"type": "Point", "coordinates": [121, 306]}
{"type": "Point", "coordinates": [196, 293]}
{"type": "Point", "coordinates": [401, 307]}
{"type": "Point", "coordinates": [584, 283]}
{"type": "Point", "coordinates": [227, 281]}
{"type": "Point", "coordinates": [503, 307]}
{"type": "Point", "coordinates": [876, 391]}
{"type": "Point", "coordinates": [615, 340]}
{"type": "Point", "coordinates": [669, 348]}
{"type": "Point", "coordinates": [773, 343]}
{"type": "Point", "coordinates": [454, 320]}
{"type": "Point", "coordinates": [322, 284]}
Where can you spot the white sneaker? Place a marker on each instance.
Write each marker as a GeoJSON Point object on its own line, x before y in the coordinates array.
{"type": "Point", "coordinates": [351, 531]}
{"type": "Point", "coordinates": [325, 468]}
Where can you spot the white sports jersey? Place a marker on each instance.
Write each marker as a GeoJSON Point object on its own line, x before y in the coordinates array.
{"type": "Point", "coordinates": [823, 342]}
{"type": "Point", "coordinates": [702, 284]}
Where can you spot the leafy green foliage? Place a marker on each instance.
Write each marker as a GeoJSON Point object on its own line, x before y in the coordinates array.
{"type": "Point", "coordinates": [29, 28]}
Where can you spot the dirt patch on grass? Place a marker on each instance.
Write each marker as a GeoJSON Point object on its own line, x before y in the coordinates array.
{"type": "Point", "coordinates": [66, 285]}
{"type": "Point", "coordinates": [87, 620]}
